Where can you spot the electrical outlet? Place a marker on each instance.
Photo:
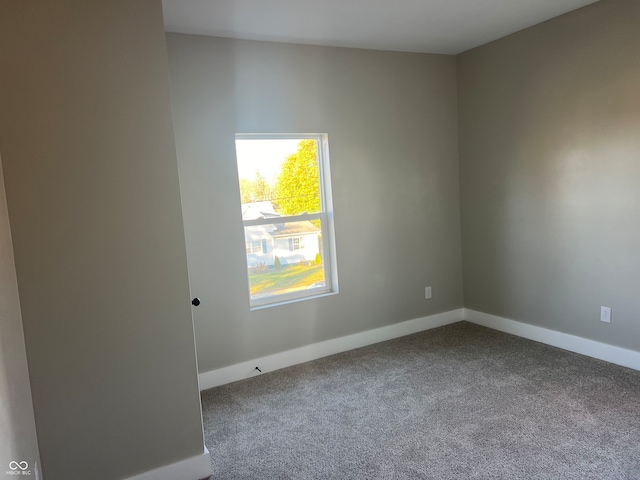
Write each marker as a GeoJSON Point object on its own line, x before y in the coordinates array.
{"type": "Point", "coordinates": [605, 314]}
{"type": "Point", "coordinates": [427, 292]}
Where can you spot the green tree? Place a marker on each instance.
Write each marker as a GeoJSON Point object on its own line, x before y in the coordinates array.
{"type": "Point", "coordinates": [256, 190]}
{"type": "Point", "coordinates": [246, 190]}
{"type": "Point", "coordinates": [297, 187]}
{"type": "Point", "coordinates": [261, 189]}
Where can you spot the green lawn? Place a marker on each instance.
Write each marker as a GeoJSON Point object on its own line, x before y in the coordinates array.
{"type": "Point", "coordinates": [285, 279]}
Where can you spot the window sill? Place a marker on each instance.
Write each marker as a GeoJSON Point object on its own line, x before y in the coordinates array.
{"type": "Point", "coordinates": [293, 300]}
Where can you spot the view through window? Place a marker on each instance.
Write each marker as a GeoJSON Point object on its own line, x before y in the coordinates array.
{"type": "Point", "coordinates": [286, 212]}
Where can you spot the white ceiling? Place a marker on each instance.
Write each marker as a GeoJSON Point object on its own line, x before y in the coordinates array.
{"type": "Point", "coordinates": [431, 26]}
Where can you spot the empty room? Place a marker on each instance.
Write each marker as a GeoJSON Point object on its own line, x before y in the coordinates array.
{"type": "Point", "coordinates": [345, 239]}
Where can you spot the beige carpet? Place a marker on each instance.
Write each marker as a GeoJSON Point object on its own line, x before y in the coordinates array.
{"type": "Point", "coordinates": [457, 402]}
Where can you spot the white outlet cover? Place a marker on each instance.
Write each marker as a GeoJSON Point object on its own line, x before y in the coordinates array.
{"type": "Point", "coordinates": [427, 292]}
{"type": "Point", "coordinates": [605, 314]}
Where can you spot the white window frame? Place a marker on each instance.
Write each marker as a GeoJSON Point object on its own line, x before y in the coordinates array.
{"type": "Point", "coordinates": [325, 216]}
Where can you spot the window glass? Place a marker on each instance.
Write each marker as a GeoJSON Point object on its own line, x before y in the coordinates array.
{"type": "Point", "coordinates": [285, 199]}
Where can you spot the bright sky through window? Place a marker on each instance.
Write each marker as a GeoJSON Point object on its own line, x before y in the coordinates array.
{"type": "Point", "coordinates": [263, 155]}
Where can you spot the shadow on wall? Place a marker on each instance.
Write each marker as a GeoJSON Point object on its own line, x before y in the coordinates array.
{"type": "Point", "coordinates": [18, 443]}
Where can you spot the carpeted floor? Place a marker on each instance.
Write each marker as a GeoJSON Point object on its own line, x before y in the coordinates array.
{"type": "Point", "coordinates": [456, 402]}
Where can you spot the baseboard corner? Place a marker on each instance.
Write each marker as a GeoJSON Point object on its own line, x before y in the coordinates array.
{"type": "Point", "coordinates": [584, 346]}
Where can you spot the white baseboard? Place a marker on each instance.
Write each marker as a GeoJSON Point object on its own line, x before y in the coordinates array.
{"type": "Point", "coordinates": [314, 351]}
{"type": "Point", "coordinates": [194, 468]}
{"type": "Point", "coordinates": [591, 348]}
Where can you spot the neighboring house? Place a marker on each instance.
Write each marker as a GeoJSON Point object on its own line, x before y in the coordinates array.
{"type": "Point", "coordinates": [292, 242]}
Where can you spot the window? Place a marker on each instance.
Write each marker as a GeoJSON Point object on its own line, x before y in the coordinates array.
{"type": "Point", "coordinates": [295, 243]}
{"type": "Point", "coordinates": [254, 247]}
{"type": "Point", "coordinates": [285, 198]}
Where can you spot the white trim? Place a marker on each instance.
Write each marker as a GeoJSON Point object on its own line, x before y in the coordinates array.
{"type": "Point", "coordinates": [194, 468]}
{"type": "Point", "coordinates": [314, 351]}
{"type": "Point", "coordinates": [591, 348]}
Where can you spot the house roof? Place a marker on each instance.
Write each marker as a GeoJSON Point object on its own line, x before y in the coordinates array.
{"type": "Point", "coordinates": [294, 229]}
{"type": "Point", "coordinates": [258, 232]}
{"type": "Point", "coordinates": [253, 210]}
{"type": "Point", "coordinates": [280, 230]}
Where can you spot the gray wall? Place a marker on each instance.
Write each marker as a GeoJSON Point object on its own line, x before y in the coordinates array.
{"type": "Point", "coordinates": [550, 173]}
{"type": "Point", "coordinates": [18, 440]}
{"type": "Point", "coordinates": [392, 125]}
{"type": "Point", "coordinates": [94, 205]}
